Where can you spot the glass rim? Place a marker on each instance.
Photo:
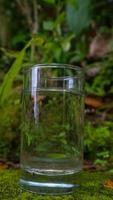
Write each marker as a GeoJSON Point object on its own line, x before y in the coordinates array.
{"type": "Point", "coordinates": [77, 73]}
{"type": "Point", "coordinates": [55, 65]}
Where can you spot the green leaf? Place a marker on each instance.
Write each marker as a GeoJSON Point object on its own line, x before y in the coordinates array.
{"type": "Point", "coordinates": [66, 42]}
{"type": "Point", "coordinates": [78, 15]}
{"type": "Point", "coordinates": [72, 2]}
{"type": "Point", "coordinates": [9, 53]}
{"type": "Point", "coordinates": [6, 86]}
{"type": "Point", "coordinates": [60, 19]}
{"type": "Point", "coordinates": [49, 1]}
{"type": "Point", "coordinates": [14, 70]}
{"type": "Point", "coordinates": [20, 37]}
{"type": "Point", "coordinates": [48, 25]}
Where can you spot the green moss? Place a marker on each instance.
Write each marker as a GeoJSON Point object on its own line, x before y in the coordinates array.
{"type": "Point", "coordinates": [91, 187]}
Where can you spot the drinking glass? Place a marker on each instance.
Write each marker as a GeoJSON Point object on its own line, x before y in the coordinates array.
{"type": "Point", "coordinates": [52, 128]}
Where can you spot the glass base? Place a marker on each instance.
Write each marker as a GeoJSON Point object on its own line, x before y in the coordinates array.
{"type": "Point", "coordinates": [51, 185]}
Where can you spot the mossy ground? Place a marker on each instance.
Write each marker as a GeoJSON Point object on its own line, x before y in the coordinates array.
{"type": "Point", "coordinates": [92, 187]}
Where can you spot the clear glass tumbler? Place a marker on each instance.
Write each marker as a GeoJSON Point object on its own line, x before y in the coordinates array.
{"type": "Point", "coordinates": [52, 128]}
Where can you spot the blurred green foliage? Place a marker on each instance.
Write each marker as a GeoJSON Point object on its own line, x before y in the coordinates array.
{"type": "Point", "coordinates": [98, 142]}
{"type": "Point", "coordinates": [54, 31]}
{"type": "Point", "coordinates": [78, 15]}
{"type": "Point", "coordinates": [10, 120]}
{"type": "Point", "coordinates": [102, 83]}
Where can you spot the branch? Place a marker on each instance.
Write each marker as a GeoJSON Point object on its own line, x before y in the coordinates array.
{"type": "Point", "coordinates": [28, 14]}
{"type": "Point", "coordinates": [26, 10]}
{"type": "Point", "coordinates": [35, 25]}
{"type": "Point", "coordinates": [21, 6]}
{"type": "Point", "coordinates": [34, 28]}
{"type": "Point", "coordinates": [31, 21]}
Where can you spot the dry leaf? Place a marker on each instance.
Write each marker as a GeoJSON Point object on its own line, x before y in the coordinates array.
{"type": "Point", "coordinates": [108, 184]}
{"type": "Point", "coordinates": [99, 46]}
{"type": "Point", "coordinates": [94, 102]}
{"type": "Point", "coordinates": [3, 166]}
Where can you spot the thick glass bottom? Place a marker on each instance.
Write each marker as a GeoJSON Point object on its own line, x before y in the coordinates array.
{"type": "Point", "coordinates": [51, 185]}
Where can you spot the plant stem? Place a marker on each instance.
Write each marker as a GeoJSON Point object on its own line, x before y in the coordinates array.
{"type": "Point", "coordinates": [34, 29]}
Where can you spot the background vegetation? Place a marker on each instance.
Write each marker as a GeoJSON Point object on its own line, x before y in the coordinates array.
{"type": "Point", "coordinates": [70, 31]}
